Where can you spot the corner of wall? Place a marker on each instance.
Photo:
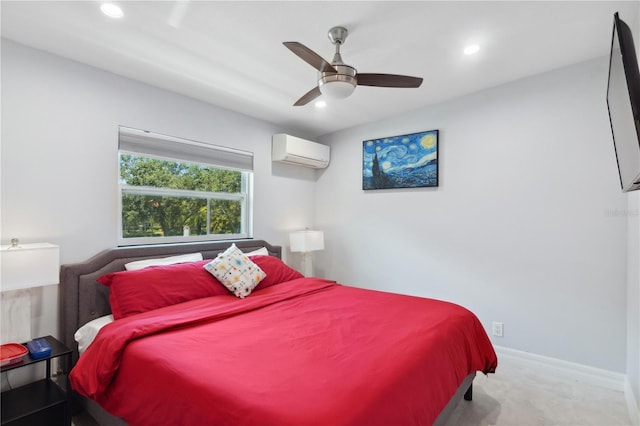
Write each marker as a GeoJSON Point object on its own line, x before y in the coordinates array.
{"type": "Point", "coordinates": [632, 405]}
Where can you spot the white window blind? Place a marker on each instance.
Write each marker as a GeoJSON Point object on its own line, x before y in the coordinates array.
{"type": "Point", "coordinates": [146, 143]}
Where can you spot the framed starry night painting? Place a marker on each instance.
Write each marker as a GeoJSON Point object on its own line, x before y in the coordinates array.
{"type": "Point", "coordinates": [406, 161]}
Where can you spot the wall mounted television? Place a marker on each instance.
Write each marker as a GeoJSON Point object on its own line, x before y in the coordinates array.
{"type": "Point", "coordinates": [623, 102]}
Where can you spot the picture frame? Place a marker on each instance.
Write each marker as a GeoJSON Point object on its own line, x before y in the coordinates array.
{"type": "Point", "coordinates": [404, 161]}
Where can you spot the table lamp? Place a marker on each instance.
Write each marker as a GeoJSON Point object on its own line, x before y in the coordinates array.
{"type": "Point", "coordinates": [305, 242]}
{"type": "Point", "coordinates": [24, 266]}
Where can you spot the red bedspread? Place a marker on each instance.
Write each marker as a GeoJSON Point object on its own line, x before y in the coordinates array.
{"type": "Point", "coordinates": [304, 352]}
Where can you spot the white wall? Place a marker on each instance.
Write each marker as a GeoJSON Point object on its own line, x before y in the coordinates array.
{"type": "Point", "coordinates": [633, 296]}
{"type": "Point", "coordinates": [523, 228]}
{"type": "Point", "coordinates": [59, 158]}
{"type": "Point", "coordinates": [633, 268]}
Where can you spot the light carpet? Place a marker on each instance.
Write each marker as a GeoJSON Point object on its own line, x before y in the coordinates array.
{"type": "Point", "coordinates": [520, 394]}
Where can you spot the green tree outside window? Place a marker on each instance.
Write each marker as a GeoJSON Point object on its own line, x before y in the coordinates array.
{"type": "Point", "coordinates": [162, 198]}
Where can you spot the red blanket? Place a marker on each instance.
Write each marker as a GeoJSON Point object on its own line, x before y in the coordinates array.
{"type": "Point", "coordinates": [304, 352]}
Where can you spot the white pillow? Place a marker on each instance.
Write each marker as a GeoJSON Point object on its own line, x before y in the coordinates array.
{"type": "Point", "coordinates": [139, 264]}
{"type": "Point", "coordinates": [260, 252]}
{"type": "Point", "coordinates": [85, 334]}
{"type": "Point", "coordinates": [236, 271]}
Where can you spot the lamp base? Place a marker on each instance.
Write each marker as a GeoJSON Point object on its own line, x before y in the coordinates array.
{"type": "Point", "coordinates": [307, 264]}
{"type": "Point", "coordinates": [16, 316]}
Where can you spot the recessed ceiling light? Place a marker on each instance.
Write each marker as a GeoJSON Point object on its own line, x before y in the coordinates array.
{"type": "Point", "coordinates": [111, 10]}
{"type": "Point", "coordinates": [471, 49]}
{"type": "Point", "coordinates": [321, 104]}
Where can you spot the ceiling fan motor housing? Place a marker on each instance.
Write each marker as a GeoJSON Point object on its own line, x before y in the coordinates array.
{"type": "Point", "coordinates": [340, 85]}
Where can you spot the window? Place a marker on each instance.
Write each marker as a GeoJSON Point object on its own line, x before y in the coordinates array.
{"type": "Point", "coordinates": [174, 190]}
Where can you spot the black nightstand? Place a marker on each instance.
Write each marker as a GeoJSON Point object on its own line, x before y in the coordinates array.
{"type": "Point", "coordinates": [44, 402]}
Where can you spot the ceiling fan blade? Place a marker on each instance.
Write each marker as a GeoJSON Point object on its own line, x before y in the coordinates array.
{"type": "Point", "coordinates": [388, 80]}
{"type": "Point", "coordinates": [308, 97]}
{"type": "Point", "coordinates": [310, 57]}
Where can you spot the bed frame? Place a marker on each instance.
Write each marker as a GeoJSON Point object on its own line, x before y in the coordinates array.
{"type": "Point", "coordinates": [83, 299]}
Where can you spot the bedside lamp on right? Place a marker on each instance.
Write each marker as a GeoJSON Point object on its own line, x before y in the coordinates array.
{"type": "Point", "coordinates": [305, 242]}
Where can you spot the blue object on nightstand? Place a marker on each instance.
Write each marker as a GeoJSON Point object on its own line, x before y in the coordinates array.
{"type": "Point", "coordinates": [39, 348]}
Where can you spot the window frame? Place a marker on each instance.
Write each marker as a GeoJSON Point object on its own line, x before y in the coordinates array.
{"type": "Point", "coordinates": [245, 196]}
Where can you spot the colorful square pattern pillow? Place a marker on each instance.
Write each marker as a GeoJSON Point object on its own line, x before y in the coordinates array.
{"type": "Point", "coordinates": [236, 271]}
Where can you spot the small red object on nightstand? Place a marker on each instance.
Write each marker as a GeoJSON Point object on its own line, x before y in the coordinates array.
{"type": "Point", "coordinates": [11, 353]}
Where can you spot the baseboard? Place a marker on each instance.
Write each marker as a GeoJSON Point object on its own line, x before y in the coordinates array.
{"type": "Point", "coordinates": [634, 411]}
{"type": "Point", "coordinates": [582, 373]}
{"type": "Point", "coordinates": [578, 372]}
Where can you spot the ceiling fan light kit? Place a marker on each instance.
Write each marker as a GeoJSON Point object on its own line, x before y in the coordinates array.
{"type": "Point", "coordinates": [338, 80]}
{"type": "Point", "coordinates": [340, 85]}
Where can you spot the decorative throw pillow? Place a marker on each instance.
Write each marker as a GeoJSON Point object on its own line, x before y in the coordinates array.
{"type": "Point", "coordinates": [236, 271]}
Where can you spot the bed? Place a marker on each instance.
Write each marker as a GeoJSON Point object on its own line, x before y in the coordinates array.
{"type": "Point", "coordinates": [295, 351]}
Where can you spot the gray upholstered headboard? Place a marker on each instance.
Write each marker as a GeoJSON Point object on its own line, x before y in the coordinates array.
{"type": "Point", "coordinates": [83, 299]}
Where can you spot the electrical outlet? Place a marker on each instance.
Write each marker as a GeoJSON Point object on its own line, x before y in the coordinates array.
{"type": "Point", "coordinates": [498, 329]}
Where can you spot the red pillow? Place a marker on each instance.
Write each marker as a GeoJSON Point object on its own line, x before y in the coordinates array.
{"type": "Point", "coordinates": [277, 271]}
{"type": "Point", "coordinates": [133, 292]}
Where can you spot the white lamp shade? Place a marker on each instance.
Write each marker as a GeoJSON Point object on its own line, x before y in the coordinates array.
{"type": "Point", "coordinates": [306, 241]}
{"type": "Point", "coordinates": [29, 265]}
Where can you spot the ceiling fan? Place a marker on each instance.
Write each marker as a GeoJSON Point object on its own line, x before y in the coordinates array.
{"type": "Point", "coordinates": [338, 80]}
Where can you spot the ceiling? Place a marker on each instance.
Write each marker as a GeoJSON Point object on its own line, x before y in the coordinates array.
{"type": "Point", "coordinates": [231, 54]}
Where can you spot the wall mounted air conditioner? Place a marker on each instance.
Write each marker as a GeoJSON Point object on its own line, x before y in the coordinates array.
{"type": "Point", "coordinates": [292, 150]}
